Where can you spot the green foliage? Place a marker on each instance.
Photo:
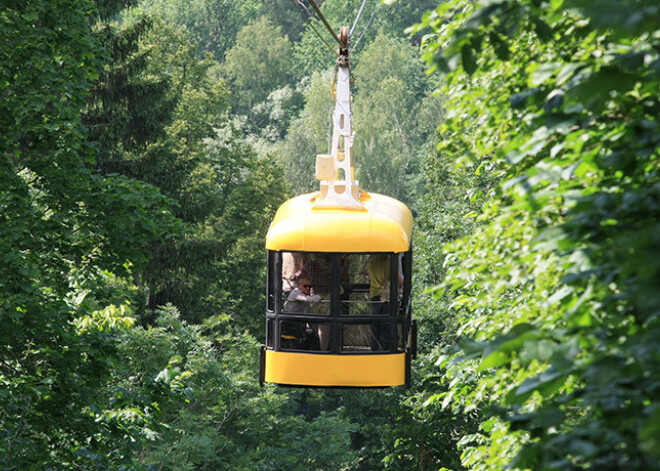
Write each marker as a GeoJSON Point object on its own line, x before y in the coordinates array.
{"type": "Point", "coordinates": [62, 225]}
{"type": "Point", "coordinates": [425, 435]}
{"type": "Point", "coordinates": [285, 15]}
{"type": "Point", "coordinates": [397, 17]}
{"type": "Point", "coordinates": [211, 24]}
{"type": "Point", "coordinates": [196, 157]}
{"type": "Point", "coordinates": [556, 287]}
{"type": "Point", "coordinates": [211, 412]}
{"type": "Point", "coordinates": [127, 107]}
{"type": "Point", "coordinates": [257, 65]}
{"type": "Point", "coordinates": [388, 96]}
{"type": "Point", "coordinates": [126, 179]}
{"type": "Point", "coordinates": [390, 58]}
{"type": "Point", "coordinates": [176, 161]}
{"type": "Point", "coordinates": [218, 267]}
{"type": "Point", "coordinates": [309, 134]}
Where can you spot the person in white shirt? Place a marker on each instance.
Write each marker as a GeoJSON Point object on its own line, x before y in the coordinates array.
{"type": "Point", "coordinates": [302, 297]}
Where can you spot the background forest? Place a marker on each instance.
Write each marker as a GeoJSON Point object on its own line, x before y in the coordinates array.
{"type": "Point", "coordinates": [145, 146]}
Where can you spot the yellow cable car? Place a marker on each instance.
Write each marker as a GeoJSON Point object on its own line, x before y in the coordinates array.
{"type": "Point", "coordinates": [357, 330]}
{"type": "Point", "coordinates": [339, 275]}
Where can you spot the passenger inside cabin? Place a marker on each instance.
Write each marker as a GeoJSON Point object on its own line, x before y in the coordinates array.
{"type": "Point", "coordinates": [302, 299]}
{"type": "Point", "coordinates": [299, 335]}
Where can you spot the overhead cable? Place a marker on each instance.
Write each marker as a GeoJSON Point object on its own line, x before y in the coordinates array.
{"type": "Point", "coordinates": [357, 18]}
{"type": "Point", "coordinates": [373, 14]}
{"type": "Point", "coordinates": [327, 25]}
{"type": "Point", "coordinates": [309, 15]}
{"type": "Point", "coordinates": [309, 22]}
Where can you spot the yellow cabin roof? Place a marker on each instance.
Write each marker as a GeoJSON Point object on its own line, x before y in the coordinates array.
{"type": "Point", "coordinates": [385, 225]}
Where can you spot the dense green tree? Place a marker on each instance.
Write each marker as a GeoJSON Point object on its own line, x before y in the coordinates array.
{"type": "Point", "coordinates": [423, 436]}
{"type": "Point", "coordinates": [62, 224]}
{"type": "Point", "coordinates": [127, 107]}
{"type": "Point", "coordinates": [389, 57]}
{"type": "Point", "coordinates": [177, 160]}
{"type": "Point", "coordinates": [284, 14]}
{"type": "Point", "coordinates": [258, 64]}
{"type": "Point", "coordinates": [212, 413]}
{"type": "Point", "coordinates": [309, 134]}
{"type": "Point", "coordinates": [398, 17]}
{"type": "Point", "coordinates": [556, 287]}
{"type": "Point", "coordinates": [390, 86]}
{"type": "Point", "coordinates": [211, 24]}
{"type": "Point", "coordinates": [198, 159]}
{"type": "Point", "coordinates": [251, 188]}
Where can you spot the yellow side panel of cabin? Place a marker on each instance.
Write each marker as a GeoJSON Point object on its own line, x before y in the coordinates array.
{"type": "Point", "coordinates": [309, 369]}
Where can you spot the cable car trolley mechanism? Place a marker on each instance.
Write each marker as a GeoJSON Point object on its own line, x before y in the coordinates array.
{"type": "Point", "coordinates": [339, 265]}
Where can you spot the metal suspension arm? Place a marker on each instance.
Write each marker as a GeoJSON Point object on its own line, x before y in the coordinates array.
{"type": "Point", "coordinates": [339, 189]}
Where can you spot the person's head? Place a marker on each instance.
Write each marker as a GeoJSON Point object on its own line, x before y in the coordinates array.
{"type": "Point", "coordinates": [304, 284]}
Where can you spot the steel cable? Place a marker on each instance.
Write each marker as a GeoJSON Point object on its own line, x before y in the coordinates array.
{"type": "Point", "coordinates": [373, 14]}
{"type": "Point", "coordinates": [309, 22]}
{"type": "Point", "coordinates": [327, 25]}
{"type": "Point", "coordinates": [357, 18]}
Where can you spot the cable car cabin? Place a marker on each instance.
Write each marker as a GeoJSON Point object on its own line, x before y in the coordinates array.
{"type": "Point", "coordinates": [338, 294]}
{"type": "Point", "coordinates": [339, 275]}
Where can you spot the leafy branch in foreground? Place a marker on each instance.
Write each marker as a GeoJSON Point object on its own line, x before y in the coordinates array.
{"type": "Point", "coordinates": [557, 288]}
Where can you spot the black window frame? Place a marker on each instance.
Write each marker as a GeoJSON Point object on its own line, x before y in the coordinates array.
{"type": "Point", "coordinates": [399, 306]}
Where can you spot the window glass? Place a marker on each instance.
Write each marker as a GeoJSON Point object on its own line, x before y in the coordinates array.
{"type": "Point", "coordinates": [354, 285]}
{"type": "Point", "coordinates": [301, 335]}
{"type": "Point", "coordinates": [306, 282]}
{"type": "Point", "coordinates": [270, 334]}
{"type": "Point", "coordinates": [270, 290]}
{"type": "Point", "coordinates": [299, 302]}
{"type": "Point", "coordinates": [366, 337]}
{"type": "Point", "coordinates": [292, 265]}
{"type": "Point", "coordinates": [366, 284]}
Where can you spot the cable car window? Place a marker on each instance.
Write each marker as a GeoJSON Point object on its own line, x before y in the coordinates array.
{"type": "Point", "coordinates": [300, 301]}
{"type": "Point", "coordinates": [370, 282]}
{"type": "Point", "coordinates": [366, 283]}
{"type": "Point", "coordinates": [270, 290]}
{"type": "Point", "coordinates": [354, 289]}
{"type": "Point", "coordinates": [299, 335]}
{"type": "Point", "coordinates": [270, 333]}
{"type": "Point", "coordinates": [373, 337]}
{"type": "Point", "coordinates": [318, 270]}
{"type": "Point", "coordinates": [292, 265]}
{"type": "Point", "coordinates": [356, 338]}
{"type": "Point", "coordinates": [401, 344]}
{"type": "Point", "coordinates": [306, 282]}
{"type": "Point", "coordinates": [367, 338]}
{"type": "Point", "coordinates": [358, 292]}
